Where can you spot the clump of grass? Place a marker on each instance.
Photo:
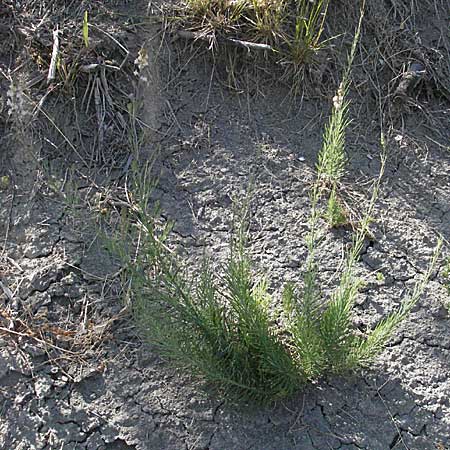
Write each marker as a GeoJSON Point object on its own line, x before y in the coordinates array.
{"type": "Point", "coordinates": [213, 16]}
{"type": "Point", "coordinates": [302, 39]}
{"type": "Point", "coordinates": [218, 327]}
{"type": "Point", "coordinates": [265, 20]}
{"type": "Point", "coordinates": [291, 29]}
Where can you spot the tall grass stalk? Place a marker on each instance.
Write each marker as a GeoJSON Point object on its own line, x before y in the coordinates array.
{"type": "Point", "coordinates": [332, 158]}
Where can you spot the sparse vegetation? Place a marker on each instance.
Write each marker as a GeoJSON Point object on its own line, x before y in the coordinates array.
{"type": "Point", "coordinates": [446, 271]}
{"type": "Point", "coordinates": [223, 325]}
{"type": "Point", "coordinates": [90, 92]}
{"type": "Point", "coordinates": [289, 32]}
{"type": "Point", "coordinates": [380, 277]}
{"type": "Point", "coordinates": [332, 157]}
{"type": "Point", "coordinates": [219, 327]}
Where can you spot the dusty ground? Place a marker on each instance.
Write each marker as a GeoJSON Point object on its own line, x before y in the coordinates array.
{"type": "Point", "coordinates": [73, 372]}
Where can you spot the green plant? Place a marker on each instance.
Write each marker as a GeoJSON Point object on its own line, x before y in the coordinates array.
{"type": "Point", "coordinates": [265, 20]}
{"type": "Point", "coordinates": [86, 29]}
{"type": "Point", "coordinates": [4, 182]}
{"type": "Point", "coordinates": [291, 31]}
{"type": "Point", "coordinates": [212, 16]}
{"type": "Point", "coordinates": [332, 157]}
{"type": "Point", "coordinates": [446, 274]}
{"type": "Point", "coordinates": [380, 277]}
{"type": "Point", "coordinates": [335, 213]}
{"type": "Point", "coordinates": [305, 39]}
{"type": "Point", "coordinates": [217, 327]}
{"type": "Point", "coordinates": [322, 328]}
{"type": "Point", "coordinates": [221, 323]}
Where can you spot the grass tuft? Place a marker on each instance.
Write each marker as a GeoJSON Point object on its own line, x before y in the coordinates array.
{"type": "Point", "coordinates": [290, 31]}
{"type": "Point", "coordinates": [216, 327]}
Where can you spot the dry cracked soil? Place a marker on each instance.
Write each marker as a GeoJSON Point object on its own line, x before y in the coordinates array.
{"type": "Point", "coordinates": [95, 385]}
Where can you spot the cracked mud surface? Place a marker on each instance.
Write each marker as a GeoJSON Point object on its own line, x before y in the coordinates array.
{"type": "Point", "coordinates": [118, 395]}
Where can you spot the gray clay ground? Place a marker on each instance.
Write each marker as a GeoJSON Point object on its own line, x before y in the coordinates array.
{"type": "Point", "coordinates": [121, 396]}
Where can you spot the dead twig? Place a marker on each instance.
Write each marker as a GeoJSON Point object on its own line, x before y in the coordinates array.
{"type": "Point", "coordinates": [55, 52]}
{"type": "Point", "coordinates": [14, 263]}
{"type": "Point", "coordinates": [237, 42]}
{"type": "Point", "coordinates": [37, 339]}
{"type": "Point", "coordinates": [87, 68]}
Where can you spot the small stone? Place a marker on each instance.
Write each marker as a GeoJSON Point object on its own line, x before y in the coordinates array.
{"type": "Point", "coordinates": [68, 279]}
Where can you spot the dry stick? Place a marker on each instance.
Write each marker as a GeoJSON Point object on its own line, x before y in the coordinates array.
{"type": "Point", "coordinates": [41, 341]}
{"type": "Point", "coordinates": [96, 66]}
{"type": "Point", "coordinates": [100, 115]}
{"type": "Point", "coordinates": [104, 84]}
{"type": "Point", "coordinates": [210, 38]}
{"type": "Point", "coordinates": [14, 263]}
{"type": "Point", "coordinates": [55, 51]}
